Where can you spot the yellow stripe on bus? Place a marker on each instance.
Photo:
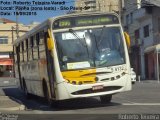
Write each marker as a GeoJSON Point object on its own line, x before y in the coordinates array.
{"type": "Point", "coordinates": [80, 76]}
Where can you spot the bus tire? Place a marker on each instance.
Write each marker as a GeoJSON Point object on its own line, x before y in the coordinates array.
{"type": "Point", "coordinates": [106, 98]}
{"type": "Point", "coordinates": [50, 102]}
{"type": "Point", "coordinates": [46, 93]}
{"type": "Point", "coordinates": [28, 96]}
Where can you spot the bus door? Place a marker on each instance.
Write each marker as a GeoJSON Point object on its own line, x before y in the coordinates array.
{"type": "Point", "coordinates": [50, 67]}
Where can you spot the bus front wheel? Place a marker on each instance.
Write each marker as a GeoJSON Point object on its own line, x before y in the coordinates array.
{"type": "Point", "coordinates": [50, 102]}
{"type": "Point", "coordinates": [46, 93]}
{"type": "Point", "coordinates": [106, 98]}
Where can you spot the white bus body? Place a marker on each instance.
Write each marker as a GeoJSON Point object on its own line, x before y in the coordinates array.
{"type": "Point", "coordinates": [80, 64]}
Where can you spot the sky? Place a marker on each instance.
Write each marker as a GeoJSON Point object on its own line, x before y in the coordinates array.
{"type": "Point", "coordinates": [41, 16]}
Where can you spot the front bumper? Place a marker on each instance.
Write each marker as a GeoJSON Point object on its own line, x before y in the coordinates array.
{"type": "Point", "coordinates": [69, 91]}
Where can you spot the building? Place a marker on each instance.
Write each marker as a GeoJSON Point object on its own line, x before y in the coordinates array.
{"type": "Point", "coordinates": [8, 33]}
{"type": "Point", "coordinates": [100, 5]}
{"type": "Point", "coordinates": [131, 25]}
{"type": "Point", "coordinates": [142, 21]}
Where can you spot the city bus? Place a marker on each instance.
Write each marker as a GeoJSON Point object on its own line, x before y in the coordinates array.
{"type": "Point", "coordinates": [74, 56]}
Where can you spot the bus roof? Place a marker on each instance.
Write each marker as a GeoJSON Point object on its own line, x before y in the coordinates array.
{"type": "Point", "coordinates": [50, 20]}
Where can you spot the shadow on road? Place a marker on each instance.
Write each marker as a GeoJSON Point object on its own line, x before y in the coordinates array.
{"type": "Point", "coordinates": [38, 103]}
{"type": "Point", "coordinates": [83, 103]}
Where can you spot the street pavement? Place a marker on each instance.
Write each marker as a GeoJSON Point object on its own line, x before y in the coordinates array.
{"type": "Point", "coordinates": [144, 98]}
{"type": "Point", "coordinates": [8, 103]}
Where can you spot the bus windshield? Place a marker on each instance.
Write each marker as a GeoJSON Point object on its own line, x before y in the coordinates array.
{"type": "Point", "coordinates": [90, 48]}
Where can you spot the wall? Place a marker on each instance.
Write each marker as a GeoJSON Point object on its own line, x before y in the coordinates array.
{"type": "Point", "coordinates": [6, 30]}
{"type": "Point", "coordinates": [130, 24]}
{"type": "Point", "coordinates": [156, 25]}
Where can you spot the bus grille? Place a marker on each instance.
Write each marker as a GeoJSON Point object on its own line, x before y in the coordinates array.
{"type": "Point", "coordinates": [89, 91]}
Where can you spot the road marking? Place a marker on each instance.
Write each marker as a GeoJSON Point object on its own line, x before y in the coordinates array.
{"type": "Point", "coordinates": [143, 104]}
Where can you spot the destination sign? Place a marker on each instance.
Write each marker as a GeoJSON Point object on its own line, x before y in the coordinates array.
{"type": "Point", "coordinates": [94, 21]}
{"type": "Point", "coordinates": [85, 21]}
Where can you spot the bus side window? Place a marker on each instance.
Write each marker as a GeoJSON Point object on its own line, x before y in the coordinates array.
{"type": "Point", "coordinates": [31, 49]}
{"type": "Point", "coordinates": [26, 42]}
{"type": "Point", "coordinates": [35, 48]}
{"type": "Point", "coordinates": [25, 51]}
{"type": "Point", "coordinates": [41, 38]}
{"type": "Point", "coordinates": [42, 53]}
{"type": "Point", "coordinates": [18, 53]}
{"type": "Point", "coordinates": [37, 43]}
{"type": "Point", "coordinates": [21, 52]}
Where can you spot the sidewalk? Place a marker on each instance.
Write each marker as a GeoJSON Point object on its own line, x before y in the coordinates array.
{"type": "Point", "coordinates": [10, 104]}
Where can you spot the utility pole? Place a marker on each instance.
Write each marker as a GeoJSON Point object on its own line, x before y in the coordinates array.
{"type": "Point", "coordinates": [13, 51]}
{"type": "Point", "coordinates": [17, 25]}
{"type": "Point", "coordinates": [12, 34]}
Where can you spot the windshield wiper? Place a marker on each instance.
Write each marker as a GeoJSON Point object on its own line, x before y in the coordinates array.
{"type": "Point", "coordinates": [95, 39]}
{"type": "Point", "coordinates": [75, 34]}
{"type": "Point", "coordinates": [101, 35]}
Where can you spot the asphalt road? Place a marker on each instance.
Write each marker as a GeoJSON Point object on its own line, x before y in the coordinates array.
{"type": "Point", "coordinates": [144, 98]}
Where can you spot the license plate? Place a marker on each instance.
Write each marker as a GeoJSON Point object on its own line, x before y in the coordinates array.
{"type": "Point", "coordinates": [98, 87]}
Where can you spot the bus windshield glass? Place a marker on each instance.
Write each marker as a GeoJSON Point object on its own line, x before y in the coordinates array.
{"type": "Point", "coordinates": [90, 48]}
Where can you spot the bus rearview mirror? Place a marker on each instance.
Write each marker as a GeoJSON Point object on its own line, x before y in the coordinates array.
{"type": "Point", "coordinates": [127, 39]}
{"type": "Point", "coordinates": [50, 44]}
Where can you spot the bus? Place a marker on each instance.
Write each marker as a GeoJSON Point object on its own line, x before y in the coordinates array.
{"type": "Point", "coordinates": [74, 56]}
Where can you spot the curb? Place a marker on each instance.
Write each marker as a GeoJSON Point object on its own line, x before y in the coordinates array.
{"type": "Point", "coordinates": [19, 107]}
